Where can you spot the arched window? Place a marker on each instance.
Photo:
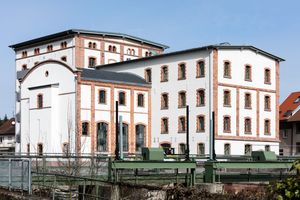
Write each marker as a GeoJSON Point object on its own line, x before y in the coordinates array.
{"type": "Point", "coordinates": [24, 54]}
{"type": "Point", "coordinates": [114, 49]}
{"type": "Point", "coordinates": [227, 98]}
{"type": "Point", "coordinates": [227, 70]}
{"type": "Point", "coordinates": [267, 103]}
{"type": "Point", "coordinates": [40, 101]}
{"type": "Point", "coordinates": [201, 149]}
{"type": "Point", "coordinates": [200, 97]}
{"type": "Point", "coordinates": [133, 52]}
{"type": "Point", "coordinates": [94, 45]}
{"type": "Point", "coordinates": [129, 51]}
{"type": "Point", "coordinates": [50, 48]}
{"type": "Point", "coordinates": [167, 148]}
{"type": "Point", "coordinates": [181, 148]}
{"type": "Point", "coordinates": [140, 99]}
{"type": "Point", "coordinates": [102, 97]}
{"type": "Point", "coordinates": [181, 124]}
{"type": "Point", "coordinates": [90, 45]}
{"type": "Point", "coordinates": [125, 136]}
{"type": "Point", "coordinates": [24, 67]}
{"type": "Point", "coordinates": [63, 45]}
{"type": "Point", "coordinates": [164, 125]}
{"type": "Point", "coordinates": [85, 128]}
{"type": "Point", "coordinates": [165, 101]}
{"type": "Point", "coordinates": [267, 76]}
{"type": "Point", "coordinates": [267, 127]}
{"type": "Point", "coordinates": [247, 126]}
{"type": "Point", "coordinates": [227, 149]}
{"type": "Point", "coordinates": [102, 132]}
{"type": "Point", "coordinates": [248, 73]}
{"type": "Point", "coordinates": [226, 124]}
{"type": "Point", "coordinates": [181, 99]}
{"type": "Point", "coordinates": [267, 148]}
{"type": "Point", "coordinates": [36, 51]}
{"type": "Point", "coordinates": [64, 58]}
{"type": "Point", "coordinates": [110, 48]}
{"type": "Point", "coordinates": [122, 98]}
{"type": "Point", "coordinates": [181, 71]}
{"type": "Point", "coordinates": [200, 123]}
{"type": "Point", "coordinates": [146, 54]}
{"type": "Point", "coordinates": [164, 74]}
{"type": "Point", "coordinates": [140, 131]}
{"type": "Point", "coordinates": [248, 100]}
{"type": "Point", "coordinates": [200, 69]}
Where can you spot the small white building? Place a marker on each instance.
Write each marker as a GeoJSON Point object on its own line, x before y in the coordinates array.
{"type": "Point", "coordinates": [7, 136]}
{"type": "Point", "coordinates": [240, 84]}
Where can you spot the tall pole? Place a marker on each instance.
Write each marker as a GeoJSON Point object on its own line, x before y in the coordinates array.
{"type": "Point", "coordinates": [117, 155]}
{"type": "Point", "coordinates": [121, 137]}
{"type": "Point", "coordinates": [187, 151]}
{"type": "Point", "coordinates": [213, 137]}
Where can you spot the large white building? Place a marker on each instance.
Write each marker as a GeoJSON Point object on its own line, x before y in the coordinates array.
{"type": "Point", "coordinates": [240, 84]}
{"type": "Point", "coordinates": [61, 105]}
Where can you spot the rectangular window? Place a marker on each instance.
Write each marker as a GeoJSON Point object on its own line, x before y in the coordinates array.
{"type": "Point", "coordinates": [92, 62]}
{"type": "Point", "coordinates": [85, 129]}
{"type": "Point", "coordinates": [141, 100]}
{"type": "Point", "coordinates": [247, 100]}
{"type": "Point", "coordinates": [226, 124]}
{"type": "Point", "coordinates": [200, 69]}
{"type": "Point", "coordinates": [181, 124]}
{"type": "Point", "coordinates": [40, 149]}
{"type": "Point", "coordinates": [201, 149]}
{"type": "Point", "coordinates": [267, 127]}
{"type": "Point", "coordinates": [122, 100]}
{"type": "Point", "coordinates": [182, 148]}
{"type": "Point", "coordinates": [164, 73]}
{"type": "Point", "coordinates": [102, 97]}
{"type": "Point", "coordinates": [182, 99]}
{"type": "Point", "coordinates": [247, 126]}
{"type": "Point", "coordinates": [267, 76]}
{"type": "Point", "coordinates": [181, 71]}
{"type": "Point", "coordinates": [227, 149]}
{"type": "Point", "coordinates": [164, 125]}
{"type": "Point", "coordinates": [227, 98]}
{"type": "Point", "coordinates": [200, 124]}
{"type": "Point", "coordinates": [148, 75]}
{"type": "Point", "coordinates": [200, 97]}
{"type": "Point", "coordinates": [247, 73]}
{"type": "Point", "coordinates": [267, 148]}
{"type": "Point", "coordinates": [39, 101]}
{"type": "Point", "coordinates": [281, 152]}
{"type": "Point", "coordinates": [267, 103]}
{"type": "Point", "coordinates": [227, 69]}
{"type": "Point", "coordinates": [248, 149]}
{"type": "Point", "coordinates": [164, 101]}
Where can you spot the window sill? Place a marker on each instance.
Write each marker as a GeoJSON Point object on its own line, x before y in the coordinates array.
{"type": "Point", "coordinates": [200, 105]}
{"type": "Point", "coordinates": [227, 106]}
{"type": "Point", "coordinates": [268, 110]}
{"type": "Point", "coordinates": [182, 106]}
{"type": "Point", "coordinates": [267, 134]}
{"type": "Point", "coordinates": [227, 77]}
{"type": "Point", "coordinates": [141, 106]}
{"type": "Point", "coordinates": [227, 131]}
{"type": "Point", "coordinates": [85, 135]}
{"type": "Point", "coordinates": [248, 108]}
{"type": "Point", "coordinates": [200, 131]}
{"type": "Point", "coordinates": [268, 83]}
{"type": "Point", "coordinates": [164, 133]}
{"type": "Point", "coordinates": [181, 132]}
{"type": "Point", "coordinates": [162, 81]}
{"type": "Point", "coordinates": [248, 80]}
{"type": "Point", "coordinates": [248, 133]}
{"type": "Point", "coordinates": [201, 76]}
{"type": "Point", "coordinates": [103, 103]}
{"type": "Point", "coordinates": [165, 108]}
{"type": "Point", "coordinates": [180, 79]}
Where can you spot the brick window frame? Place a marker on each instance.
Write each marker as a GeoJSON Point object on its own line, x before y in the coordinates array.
{"type": "Point", "coordinates": [267, 103]}
{"type": "Point", "coordinates": [267, 79]}
{"type": "Point", "coordinates": [143, 100]}
{"type": "Point", "coordinates": [200, 93]}
{"type": "Point", "coordinates": [227, 98]}
{"type": "Point", "coordinates": [267, 127]}
{"type": "Point", "coordinates": [88, 126]}
{"type": "Point", "coordinates": [148, 75]}
{"type": "Point", "coordinates": [164, 128]}
{"type": "Point", "coordinates": [182, 127]}
{"type": "Point", "coordinates": [247, 125]}
{"type": "Point", "coordinates": [120, 92]}
{"type": "Point", "coordinates": [92, 61]}
{"type": "Point", "coordinates": [164, 105]}
{"type": "Point", "coordinates": [105, 97]}
{"type": "Point", "coordinates": [164, 73]}
{"type": "Point", "coordinates": [248, 102]}
{"type": "Point", "coordinates": [226, 63]}
{"type": "Point", "coordinates": [199, 65]}
{"type": "Point", "coordinates": [199, 128]}
{"type": "Point", "coordinates": [182, 71]}
{"type": "Point", "coordinates": [201, 151]}
{"type": "Point", "coordinates": [247, 66]}
{"type": "Point", "coordinates": [227, 120]}
{"type": "Point", "coordinates": [181, 95]}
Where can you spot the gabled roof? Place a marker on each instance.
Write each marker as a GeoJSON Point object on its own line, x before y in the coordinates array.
{"type": "Point", "coordinates": [203, 48]}
{"type": "Point", "coordinates": [71, 32]}
{"type": "Point", "coordinates": [113, 77]}
{"type": "Point", "coordinates": [290, 106]}
{"type": "Point", "coordinates": [8, 127]}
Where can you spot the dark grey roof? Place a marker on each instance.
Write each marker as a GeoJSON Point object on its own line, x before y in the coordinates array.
{"type": "Point", "coordinates": [113, 77]}
{"type": "Point", "coordinates": [86, 32]}
{"type": "Point", "coordinates": [209, 47]}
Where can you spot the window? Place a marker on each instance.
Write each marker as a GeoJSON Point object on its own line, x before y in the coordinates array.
{"type": "Point", "coordinates": [125, 136]}
{"type": "Point", "coordinates": [181, 71]}
{"type": "Point", "coordinates": [267, 76]}
{"type": "Point", "coordinates": [114, 49]}
{"type": "Point", "coordinates": [181, 124]}
{"type": "Point", "coordinates": [37, 62]}
{"type": "Point", "coordinates": [164, 125]}
{"type": "Point", "coordinates": [110, 48]}
{"type": "Point", "coordinates": [141, 102]}
{"type": "Point", "coordinates": [102, 97]}
{"type": "Point", "coordinates": [200, 97]}
{"type": "Point", "coordinates": [226, 124]}
{"type": "Point", "coordinates": [201, 149]}
{"type": "Point", "coordinates": [102, 132]}
{"type": "Point", "coordinates": [39, 101]}
{"type": "Point", "coordinates": [64, 58]}
{"type": "Point", "coordinates": [85, 129]}
{"type": "Point", "coordinates": [248, 149]}
{"type": "Point", "coordinates": [165, 101]}
{"type": "Point", "coordinates": [227, 98]}
{"type": "Point", "coordinates": [24, 54]}
{"type": "Point", "coordinates": [284, 134]}
{"type": "Point", "coordinates": [167, 148]}
{"type": "Point", "coordinates": [28, 149]}
{"type": "Point", "coordinates": [227, 149]}
{"type": "Point", "coordinates": [181, 148]}
{"type": "Point", "coordinates": [63, 45]}
{"type": "Point", "coordinates": [182, 99]}
{"type": "Point", "coordinates": [227, 69]}
{"type": "Point", "coordinates": [36, 51]}
{"type": "Point", "coordinates": [1, 139]}
{"type": "Point", "coordinates": [164, 73]}
{"type": "Point", "coordinates": [267, 103]}
{"type": "Point", "coordinates": [92, 61]}
{"type": "Point", "coordinates": [248, 73]}
{"type": "Point", "coordinates": [146, 54]}
{"type": "Point", "coordinates": [50, 48]}
{"type": "Point", "coordinates": [297, 147]}
{"type": "Point", "coordinates": [281, 152]}
{"type": "Point", "coordinates": [297, 100]}
{"type": "Point", "coordinates": [24, 67]}
{"type": "Point", "coordinates": [94, 45]}
{"type": "Point", "coordinates": [267, 127]}
{"type": "Point", "coordinates": [200, 123]}
{"type": "Point", "coordinates": [247, 125]}
{"type": "Point", "coordinates": [248, 100]}
{"type": "Point", "coordinates": [133, 52]}
{"type": "Point", "coordinates": [90, 45]}
{"type": "Point", "coordinates": [65, 149]}
{"type": "Point", "coordinates": [267, 148]}
{"type": "Point", "coordinates": [122, 100]}
{"type": "Point", "coordinates": [148, 75]}
{"type": "Point", "coordinates": [200, 69]}
{"type": "Point", "coordinates": [129, 51]}
{"type": "Point", "coordinates": [40, 149]}
{"type": "Point", "coordinates": [139, 137]}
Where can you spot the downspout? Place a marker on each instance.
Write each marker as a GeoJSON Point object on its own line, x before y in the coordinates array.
{"type": "Point", "coordinates": [210, 109]}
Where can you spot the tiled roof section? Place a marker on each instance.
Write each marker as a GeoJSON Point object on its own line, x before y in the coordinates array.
{"type": "Point", "coordinates": [113, 77]}
{"type": "Point", "coordinates": [289, 105]}
{"type": "Point", "coordinates": [295, 117]}
{"type": "Point", "coordinates": [8, 127]}
{"type": "Point", "coordinates": [86, 32]}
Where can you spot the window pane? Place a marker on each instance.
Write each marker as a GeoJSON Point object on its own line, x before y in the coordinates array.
{"type": "Point", "coordinates": [102, 129]}
{"type": "Point", "coordinates": [140, 134]}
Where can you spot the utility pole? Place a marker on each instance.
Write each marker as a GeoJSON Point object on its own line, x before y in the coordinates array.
{"type": "Point", "coordinates": [187, 151]}
{"type": "Point", "coordinates": [117, 153]}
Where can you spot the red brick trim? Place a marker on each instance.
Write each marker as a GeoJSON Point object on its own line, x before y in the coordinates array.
{"type": "Point", "coordinates": [246, 87]}
{"type": "Point", "coordinates": [93, 129]}
{"type": "Point", "coordinates": [237, 112]}
{"type": "Point", "coordinates": [78, 115]}
{"type": "Point", "coordinates": [257, 113]}
{"type": "Point", "coordinates": [131, 135]}
{"type": "Point", "coordinates": [277, 100]}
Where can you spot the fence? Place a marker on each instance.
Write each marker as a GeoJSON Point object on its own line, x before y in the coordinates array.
{"type": "Point", "coordinates": [15, 174]}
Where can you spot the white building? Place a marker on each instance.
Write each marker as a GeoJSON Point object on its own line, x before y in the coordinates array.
{"type": "Point", "coordinates": [240, 84]}
{"type": "Point", "coordinates": [49, 109]}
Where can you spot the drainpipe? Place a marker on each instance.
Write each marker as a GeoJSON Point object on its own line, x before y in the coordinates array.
{"type": "Point", "coordinates": [210, 109]}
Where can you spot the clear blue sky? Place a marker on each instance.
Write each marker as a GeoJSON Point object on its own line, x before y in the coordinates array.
{"type": "Point", "coordinates": [271, 25]}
